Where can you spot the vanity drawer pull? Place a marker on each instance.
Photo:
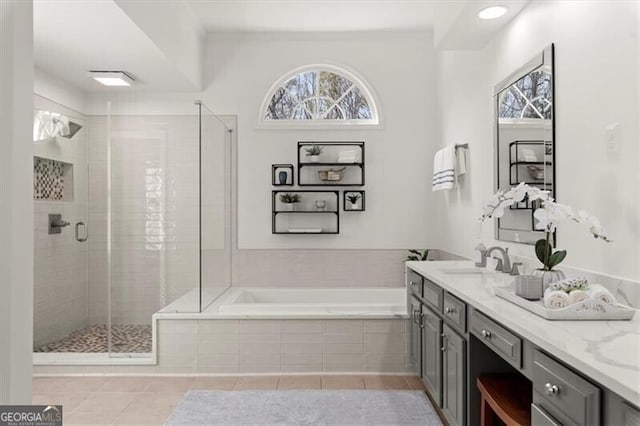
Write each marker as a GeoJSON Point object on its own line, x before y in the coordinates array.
{"type": "Point", "coordinates": [486, 334]}
{"type": "Point", "coordinates": [450, 310]}
{"type": "Point", "coordinates": [413, 283]}
{"type": "Point", "coordinates": [551, 389]}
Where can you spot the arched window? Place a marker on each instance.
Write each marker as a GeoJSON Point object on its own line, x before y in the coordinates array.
{"type": "Point", "coordinates": [528, 98]}
{"type": "Point", "coordinates": [319, 94]}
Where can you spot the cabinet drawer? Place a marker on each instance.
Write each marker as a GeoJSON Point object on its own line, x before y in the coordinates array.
{"type": "Point", "coordinates": [432, 293]}
{"type": "Point", "coordinates": [414, 282]}
{"type": "Point", "coordinates": [455, 311]}
{"type": "Point", "coordinates": [540, 418]}
{"type": "Point", "coordinates": [560, 389]}
{"type": "Point", "coordinates": [498, 338]}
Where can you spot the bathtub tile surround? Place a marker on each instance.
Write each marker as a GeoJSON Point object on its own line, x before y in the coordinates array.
{"type": "Point", "coordinates": [323, 268]}
{"type": "Point", "coordinates": [223, 346]}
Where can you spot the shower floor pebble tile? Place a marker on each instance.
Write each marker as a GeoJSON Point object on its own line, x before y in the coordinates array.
{"type": "Point", "coordinates": [93, 339]}
{"type": "Point", "coordinates": [150, 400]}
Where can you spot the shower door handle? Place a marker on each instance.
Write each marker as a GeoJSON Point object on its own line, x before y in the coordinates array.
{"type": "Point", "coordinates": [86, 234]}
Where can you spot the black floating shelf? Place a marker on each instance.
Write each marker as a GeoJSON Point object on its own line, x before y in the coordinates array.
{"type": "Point", "coordinates": [333, 203]}
{"type": "Point", "coordinates": [332, 151]}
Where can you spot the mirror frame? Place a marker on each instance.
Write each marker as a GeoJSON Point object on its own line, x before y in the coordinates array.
{"type": "Point", "coordinates": [546, 57]}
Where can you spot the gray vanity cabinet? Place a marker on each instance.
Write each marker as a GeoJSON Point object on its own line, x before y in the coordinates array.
{"type": "Point", "coordinates": [454, 376]}
{"type": "Point", "coordinates": [432, 354]}
{"type": "Point", "coordinates": [416, 333]}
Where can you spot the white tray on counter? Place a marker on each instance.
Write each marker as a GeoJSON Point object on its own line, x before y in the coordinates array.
{"type": "Point", "coordinates": [587, 310]}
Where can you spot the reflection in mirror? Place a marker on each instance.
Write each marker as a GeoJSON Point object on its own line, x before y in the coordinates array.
{"type": "Point", "coordinates": [525, 142]}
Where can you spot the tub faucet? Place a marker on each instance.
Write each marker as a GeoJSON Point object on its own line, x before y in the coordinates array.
{"type": "Point", "coordinates": [506, 263]}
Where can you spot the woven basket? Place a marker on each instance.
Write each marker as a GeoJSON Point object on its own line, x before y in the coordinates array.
{"type": "Point", "coordinates": [331, 175]}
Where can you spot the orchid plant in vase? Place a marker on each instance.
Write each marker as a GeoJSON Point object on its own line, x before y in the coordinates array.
{"type": "Point", "coordinates": [548, 216]}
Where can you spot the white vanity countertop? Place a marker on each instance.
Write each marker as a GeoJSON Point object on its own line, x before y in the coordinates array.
{"type": "Point", "coordinates": [606, 351]}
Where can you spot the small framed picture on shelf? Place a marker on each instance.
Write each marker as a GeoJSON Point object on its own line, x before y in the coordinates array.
{"type": "Point", "coordinates": [282, 174]}
{"type": "Point", "coordinates": [353, 201]}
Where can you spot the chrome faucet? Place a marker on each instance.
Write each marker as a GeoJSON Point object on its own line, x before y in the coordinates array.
{"type": "Point", "coordinates": [505, 264]}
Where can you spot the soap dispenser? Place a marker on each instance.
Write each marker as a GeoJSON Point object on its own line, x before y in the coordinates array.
{"type": "Point", "coordinates": [479, 255]}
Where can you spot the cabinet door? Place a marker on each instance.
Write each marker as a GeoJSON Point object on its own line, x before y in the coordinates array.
{"type": "Point", "coordinates": [432, 354]}
{"type": "Point", "coordinates": [453, 371]}
{"type": "Point", "coordinates": [415, 334]}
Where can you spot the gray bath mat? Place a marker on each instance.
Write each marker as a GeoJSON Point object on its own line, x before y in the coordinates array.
{"type": "Point", "coordinates": [305, 407]}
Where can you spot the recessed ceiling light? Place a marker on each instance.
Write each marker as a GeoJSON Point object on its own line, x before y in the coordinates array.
{"type": "Point", "coordinates": [111, 78]}
{"type": "Point", "coordinates": [492, 12]}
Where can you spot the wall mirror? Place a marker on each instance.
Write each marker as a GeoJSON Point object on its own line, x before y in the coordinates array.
{"type": "Point", "coordinates": [525, 142]}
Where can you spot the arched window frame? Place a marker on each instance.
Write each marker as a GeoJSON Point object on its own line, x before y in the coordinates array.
{"type": "Point", "coordinates": [365, 89]}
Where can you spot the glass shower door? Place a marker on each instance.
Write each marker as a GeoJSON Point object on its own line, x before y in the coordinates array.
{"type": "Point", "coordinates": [216, 227]}
{"type": "Point", "coordinates": [154, 228]}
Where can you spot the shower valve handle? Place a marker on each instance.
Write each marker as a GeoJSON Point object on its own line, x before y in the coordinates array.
{"type": "Point", "coordinates": [59, 223]}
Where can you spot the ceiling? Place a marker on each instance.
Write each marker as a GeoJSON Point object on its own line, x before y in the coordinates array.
{"type": "Point", "coordinates": [73, 37]}
{"type": "Point", "coordinates": [160, 42]}
{"type": "Point", "coordinates": [322, 15]}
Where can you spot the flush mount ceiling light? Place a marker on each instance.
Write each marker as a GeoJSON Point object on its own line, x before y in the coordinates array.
{"type": "Point", "coordinates": [111, 78]}
{"type": "Point", "coordinates": [492, 12]}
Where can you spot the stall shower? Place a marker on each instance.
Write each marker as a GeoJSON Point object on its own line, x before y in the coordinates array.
{"type": "Point", "coordinates": [143, 205]}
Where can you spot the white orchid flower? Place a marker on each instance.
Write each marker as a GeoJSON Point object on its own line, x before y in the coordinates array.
{"type": "Point", "coordinates": [496, 205]}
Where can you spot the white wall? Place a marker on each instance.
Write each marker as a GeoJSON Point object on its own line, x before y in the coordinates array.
{"type": "Point", "coordinates": [240, 69]}
{"type": "Point", "coordinates": [16, 188]}
{"type": "Point", "coordinates": [596, 84]}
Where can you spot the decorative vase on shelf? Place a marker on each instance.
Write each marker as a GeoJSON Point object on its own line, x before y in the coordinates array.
{"type": "Point", "coordinates": [315, 158]}
{"type": "Point", "coordinates": [290, 206]}
{"type": "Point", "coordinates": [282, 177]}
{"type": "Point", "coordinates": [548, 277]}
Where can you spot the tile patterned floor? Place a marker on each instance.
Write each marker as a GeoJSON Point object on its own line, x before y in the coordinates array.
{"type": "Point", "coordinates": [93, 338]}
{"type": "Point", "coordinates": [150, 400]}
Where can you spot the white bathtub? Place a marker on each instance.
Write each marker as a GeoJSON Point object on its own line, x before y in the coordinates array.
{"type": "Point", "coordinates": [296, 302]}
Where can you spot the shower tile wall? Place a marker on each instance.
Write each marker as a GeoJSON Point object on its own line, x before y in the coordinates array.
{"type": "Point", "coordinates": [60, 262]}
{"type": "Point", "coordinates": [154, 215]}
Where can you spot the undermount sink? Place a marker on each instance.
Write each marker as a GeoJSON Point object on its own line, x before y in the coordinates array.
{"type": "Point", "coordinates": [463, 270]}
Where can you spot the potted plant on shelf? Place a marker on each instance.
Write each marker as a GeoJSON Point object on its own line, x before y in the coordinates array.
{"type": "Point", "coordinates": [313, 152]}
{"type": "Point", "coordinates": [290, 200]}
{"type": "Point", "coordinates": [548, 216]}
{"type": "Point", "coordinates": [353, 201]}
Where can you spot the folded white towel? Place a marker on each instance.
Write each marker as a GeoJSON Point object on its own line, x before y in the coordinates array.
{"type": "Point", "coordinates": [576, 296]}
{"type": "Point", "coordinates": [555, 299]}
{"type": "Point", "coordinates": [444, 165]}
{"type": "Point", "coordinates": [569, 284]}
{"type": "Point", "coordinates": [601, 294]}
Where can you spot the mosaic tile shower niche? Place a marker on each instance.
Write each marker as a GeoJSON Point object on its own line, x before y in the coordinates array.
{"type": "Point", "coordinates": [49, 178]}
